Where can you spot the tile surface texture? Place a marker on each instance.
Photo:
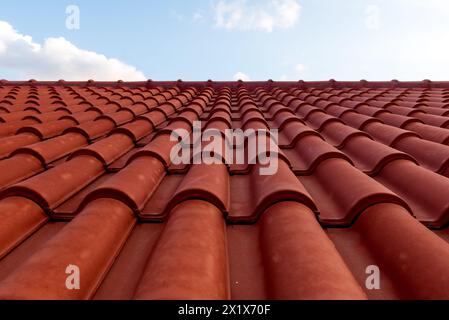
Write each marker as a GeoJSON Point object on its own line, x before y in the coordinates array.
{"type": "Point", "coordinates": [361, 189]}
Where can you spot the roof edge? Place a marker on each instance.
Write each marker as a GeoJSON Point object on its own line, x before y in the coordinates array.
{"type": "Point", "coordinates": [426, 84]}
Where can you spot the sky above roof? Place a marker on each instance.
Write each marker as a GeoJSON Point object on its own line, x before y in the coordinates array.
{"type": "Point", "coordinates": [225, 39]}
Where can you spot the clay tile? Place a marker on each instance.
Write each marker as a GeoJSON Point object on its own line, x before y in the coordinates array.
{"type": "Point", "coordinates": [323, 104]}
{"type": "Point", "coordinates": [338, 134]}
{"type": "Point", "coordinates": [371, 111]}
{"type": "Point", "coordinates": [19, 115]}
{"type": "Point", "coordinates": [358, 121]}
{"type": "Point", "coordinates": [81, 117]}
{"type": "Point", "coordinates": [434, 110]}
{"type": "Point", "coordinates": [9, 144]}
{"type": "Point", "coordinates": [309, 152]}
{"type": "Point", "coordinates": [370, 156]}
{"type": "Point", "coordinates": [53, 149]}
{"type": "Point", "coordinates": [209, 182]}
{"type": "Point", "coordinates": [176, 124]}
{"type": "Point", "coordinates": [290, 229]}
{"type": "Point", "coordinates": [422, 189]}
{"type": "Point", "coordinates": [318, 120]}
{"type": "Point", "coordinates": [431, 155]}
{"type": "Point", "coordinates": [18, 168]}
{"type": "Point", "coordinates": [397, 120]}
{"type": "Point", "coordinates": [220, 120]}
{"type": "Point", "coordinates": [405, 111]}
{"type": "Point", "coordinates": [136, 129]}
{"type": "Point", "coordinates": [429, 105]}
{"type": "Point", "coordinates": [281, 110]}
{"type": "Point", "coordinates": [106, 150]}
{"type": "Point", "coordinates": [47, 130]}
{"type": "Point", "coordinates": [292, 132]}
{"type": "Point", "coordinates": [133, 185]}
{"type": "Point", "coordinates": [21, 217]}
{"type": "Point", "coordinates": [306, 110]}
{"type": "Point", "coordinates": [394, 83]}
{"type": "Point", "coordinates": [248, 108]}
{"type": "Point", "coordinates": [341, 205]}
{"type": "Point", "coordinates": [63, 246]}
{"type": "Point", "coordinates": [118, 118]}
{"type": "Point", "coordinates": [427, 83]}
{"type": "Point", "coordinates": [149, 83]}
{"type": "Point", "coordinates": [283, 187]}
{"type": "Point", "coordinates": [406, 236]}
{"type": "Point", "coordinates": [167, 109]}
{"type": "Point", "coordinates": [440, 135]}
{"type": "Point", "coordinates": [93, 129]}
{"type": "Point", "coordinates": [386, 134]}
{"type": "Point", "coordinates": [283, 117]}
{"type": "Point", "coordinates": [50, 116]}
{"type": "Point", "coordinates": [297, 104]}
{"type": "Point", "coordinates": [158, 148]}
{"type": "Point", "coordinates": [155, 116]}
{"type": "Point", "coordinates": [8, 129]}
{"type": "Point", "coordinates": [433, 120]}
{"type": "Point", "coordinates": [194, 108]}
{"type": "Point", "coordinates": [54, 186]}
{"type": "Point", "coordinates": [183, 277]}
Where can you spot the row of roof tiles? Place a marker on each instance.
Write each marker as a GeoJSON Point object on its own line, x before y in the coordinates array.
{"type": "Point", "coordinates": [96, 161]}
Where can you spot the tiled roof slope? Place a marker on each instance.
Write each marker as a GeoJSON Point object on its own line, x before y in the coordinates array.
{"type": "Point", "coordinates": [86, 180]}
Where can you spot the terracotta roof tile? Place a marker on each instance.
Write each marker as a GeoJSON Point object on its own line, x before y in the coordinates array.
{"type": "Point", "coordinates": [87, 179]}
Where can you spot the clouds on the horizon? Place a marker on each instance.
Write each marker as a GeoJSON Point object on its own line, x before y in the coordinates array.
{"type": "Point", "coordinates": [256, 15]}
{"type": "Point", "coordinates": [58, 58]}
{"type": "Point", "coordinates": [241, 76]}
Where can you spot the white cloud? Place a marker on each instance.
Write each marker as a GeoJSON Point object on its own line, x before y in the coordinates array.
{"type": "Point", "coordinates": [58, 58]}
{"type": "Point", "coordinates": [198, 16]}
{"type": "Point", "coordinates": [241, 76]}
{"type": "Point", "coordinates": [238, 14]}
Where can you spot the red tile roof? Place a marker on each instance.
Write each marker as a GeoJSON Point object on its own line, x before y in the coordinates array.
{"type": "Point", "coordinates": [362, 183]}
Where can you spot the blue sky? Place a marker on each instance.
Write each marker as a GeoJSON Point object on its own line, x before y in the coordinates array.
{"type": "Point", "coordinates": [226, 39]}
